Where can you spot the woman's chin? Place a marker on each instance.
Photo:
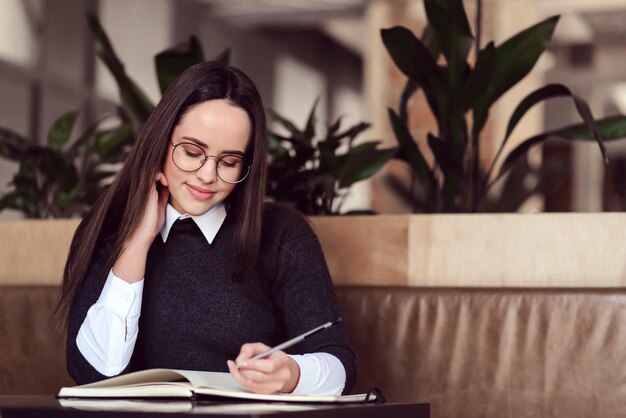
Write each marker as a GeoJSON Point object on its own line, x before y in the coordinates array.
{"type": "Point", "coordinates": [197, 209]}
{"type": "Point", "coordinates": [192, 207]}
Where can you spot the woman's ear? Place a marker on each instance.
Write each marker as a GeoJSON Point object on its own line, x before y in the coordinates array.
{"type": "Point", "coordinates": [162, 180]}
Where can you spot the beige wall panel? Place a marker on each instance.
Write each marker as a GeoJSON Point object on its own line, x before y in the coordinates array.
{"type": "Point", "coordinates": [369, 250]}
{"type": "Point", "coordinates": [534, 250]}
{"type": "Point", "coordinates": [33, 252]}
{"type": "Point", "coordinates": [569, 250]}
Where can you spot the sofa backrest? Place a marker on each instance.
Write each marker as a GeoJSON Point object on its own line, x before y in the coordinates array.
{"type": "Point", "coordinates": [492, 352]}
{"type": "Point", "coordinates": [32, 349]}
{"type": "Point", "coordinates": [469, 352]}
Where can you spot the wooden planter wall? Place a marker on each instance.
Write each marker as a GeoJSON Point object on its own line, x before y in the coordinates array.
{"type": "Point", "coordinates": [521, 250]}
{"type": "Point", "coordinates": [534, 250]}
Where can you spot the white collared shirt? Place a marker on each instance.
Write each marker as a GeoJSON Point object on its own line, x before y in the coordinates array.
{"type": "Point", "coordinates": [107, 336]}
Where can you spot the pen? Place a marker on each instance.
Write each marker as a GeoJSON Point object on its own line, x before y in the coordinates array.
{"type": "Point", "coordinates": [295, 340]}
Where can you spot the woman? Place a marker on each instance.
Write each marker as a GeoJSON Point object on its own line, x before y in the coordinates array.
{"type": "Point", "coordinates": [181, 265]}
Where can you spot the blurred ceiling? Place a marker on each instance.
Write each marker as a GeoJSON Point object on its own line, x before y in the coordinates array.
{"type": "Point", "coordinates": [341, 20]}
{"type": "Point", "coordinates": [283, 12]}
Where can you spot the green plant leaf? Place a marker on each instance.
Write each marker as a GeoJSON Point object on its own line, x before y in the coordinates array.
{"type": "Point", "coordinates": [547, 92]}
{"type": "Point", "coordinates": [610, 128]}
{"type": "Point", "coordinates": [414, 59]}
{"type": "Point", "coordinates": [275, 148]}
{"type": "Point", "coordinates": [15, 200]}
{"type": "Point", "coordinates": [537, 96]}
{"type": "Point", "coordinates": [451, 168]}
{"type": "Point", "coordinates": [452, 32]}
{"type": "Point", "coordinates": [408, 150]}
{"type": "Point", "coordinates": [428, 39]}
{"type": "Point", "coordinates": [173, 61]}
{"type": "Point", "coordinates": [61, 130]}
{"type": "Point", "coordinates": [287, 124]}
{"type": "Point", "coordinates": [364, 147]}
{"type": "Point", "coordinates": [12, 144]}
{"type": "Point", "coordinates": [544, 93]}
{"type": "Point", "coordinates": [410, 88]}
{"type": "Point", "coordinates": [334, 128]}
{"type": "Point", "coordinates": [514, 60]}
{"type": "Point", "coordinates": [364, 164]}
{"type": "Point", "coordinates": [309, 130]}
{"type": "Point", "coordinates": [354, 131]}
{"type": "Point", "coordinates": [478, 78]}
{"type": "Point", "coordinates": [110, 141]}
{"type": "Point", "coordinates": [134, 100]}
{"type": "Point", "coordinates": [406, 195]}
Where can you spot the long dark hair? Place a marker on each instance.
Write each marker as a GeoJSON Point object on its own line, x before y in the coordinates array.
{"type": "Point", "coordinates": [119, 210]}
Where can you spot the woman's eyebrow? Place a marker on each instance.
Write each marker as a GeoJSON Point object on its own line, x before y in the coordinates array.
{"type": "Point", "coordinates": [196, 141]}
{"type": "Point", "coordinates": [203, 145]}
{"type": "Point", "coordinates": [236, 152]}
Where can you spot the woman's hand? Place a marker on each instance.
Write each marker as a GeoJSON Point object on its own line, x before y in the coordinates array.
{"type": "Point", "coordinates": [275, 373]}
{"type": "Point", "coordinates": [154, 216]}
{"type": "Point", "coordinates": [130, 266]}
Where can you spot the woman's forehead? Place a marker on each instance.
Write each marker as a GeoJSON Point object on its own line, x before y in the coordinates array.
{"type": "Point", "coordinates": [215, 124]}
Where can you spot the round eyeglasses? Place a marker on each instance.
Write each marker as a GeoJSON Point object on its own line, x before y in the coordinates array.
{"type": "Point", "coordinates": [231, 168]}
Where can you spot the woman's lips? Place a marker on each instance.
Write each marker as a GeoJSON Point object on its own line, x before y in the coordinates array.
{"type": "Point", "coordinates": [199, 193]}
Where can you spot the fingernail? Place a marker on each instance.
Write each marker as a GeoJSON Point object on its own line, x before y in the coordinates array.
{"type": "Point", "coordinates": [243, 364]}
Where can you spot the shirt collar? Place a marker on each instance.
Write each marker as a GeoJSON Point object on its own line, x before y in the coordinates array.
{"type": "Point", "coordinates": [209, 222]}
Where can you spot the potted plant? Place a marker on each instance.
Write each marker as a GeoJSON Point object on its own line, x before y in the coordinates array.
{"type": "Point", "coordinates": [63, 177]}
{"type": "Point", "coordinates": [314, 174]}
{"type": "Point", "coordinates": [478, 249]}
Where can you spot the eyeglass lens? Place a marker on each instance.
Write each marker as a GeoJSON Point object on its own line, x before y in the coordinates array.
{"type": "Point", "coordinates": [190, 157]}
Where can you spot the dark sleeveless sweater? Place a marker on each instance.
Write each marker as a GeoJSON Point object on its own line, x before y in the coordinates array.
{"type": "Point", "coordinates": [194, 316]}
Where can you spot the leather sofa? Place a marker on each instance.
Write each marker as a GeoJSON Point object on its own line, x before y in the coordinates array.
{"type": "Point", "coordinates": [476, 352]}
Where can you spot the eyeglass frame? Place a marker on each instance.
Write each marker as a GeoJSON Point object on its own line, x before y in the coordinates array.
{"type": "Point", "coordinates": [206, 157]}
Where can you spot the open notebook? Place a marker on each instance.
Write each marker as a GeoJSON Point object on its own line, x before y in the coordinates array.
{"type": "Point", "coordinates": [170, 383]}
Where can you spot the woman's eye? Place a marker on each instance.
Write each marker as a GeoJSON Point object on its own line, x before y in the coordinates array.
{"type": "Point", "coordinates": [192, 154]}
{"type": "Point", "coordinates": [231, 162]}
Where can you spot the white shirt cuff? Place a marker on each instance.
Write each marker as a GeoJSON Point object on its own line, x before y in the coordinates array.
{"type": "Point", "coordinates": [320, 374]}
{"type": "Point", "coordinates": [108, 334]}
{"type": "Point", "coordinates": [121, 297]}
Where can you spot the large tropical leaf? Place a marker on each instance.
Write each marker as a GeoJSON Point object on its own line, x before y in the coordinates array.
{"type": "Point", "coordinates": [547, 92]}
{"type": "Point", "coordinates": [478, 78]}
{"type": "Point", "coordinates": [453, 35]}
{"type": "Point", "coordinates": [514, 60]}
{"type": "Point", "coordinates": [610, 128]}
{"type": "Point", "coordinates": [414, 59]}
{"type": "Point", "coordinates": [363, 164]}
{"type": "Point", "coordinates": [173, 61]}
{"type": "Point", "coordinates": [409, 150]}
{"type": "Point", "coordinates": [133, 98]}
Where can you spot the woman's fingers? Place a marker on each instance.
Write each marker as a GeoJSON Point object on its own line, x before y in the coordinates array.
{"type": "Point", "coordinates": [275, 373]}
{"type": "Point", "coordinates": [249, 350]}
{"type": "Point", "coordinates": [257, 384]}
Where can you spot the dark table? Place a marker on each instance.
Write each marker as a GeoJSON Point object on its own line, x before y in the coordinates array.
{"type": "Point", "coordinates": [49, 407]}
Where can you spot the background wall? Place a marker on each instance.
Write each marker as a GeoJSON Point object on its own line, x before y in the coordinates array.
{"type": "Point", "coordinates": [299, 51]}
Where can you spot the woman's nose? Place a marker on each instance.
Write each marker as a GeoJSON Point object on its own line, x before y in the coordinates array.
{"type": "Point", "coordinates": [208, 172]}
